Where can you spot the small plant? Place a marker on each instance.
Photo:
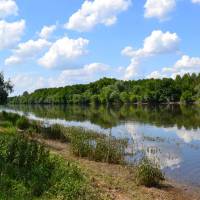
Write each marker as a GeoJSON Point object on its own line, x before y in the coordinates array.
{"type": "Point", "coordinates": [23, 123]}
{"type": "Point", "coordinates": [148, 174]}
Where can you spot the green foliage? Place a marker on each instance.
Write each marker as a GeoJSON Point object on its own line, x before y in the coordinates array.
{"type": "Point", "coordinates": [187, 97]}
{"type": "Point", "coordinates": [23, 123]}
{"type": "Point", "coordinates": [11, 117]}
{"type": "Point", "coordinates": [5, 89]}
{"type": "Point", "coordinates": [28, 171]}
{"type": "Point", "coordinates": [54, 132]}
{"type": "Point", "coordinates": [28, 163]}
{"type": "Point", "coordinates": [112, 91]}
{"type": "Point", "coordinates": [97, 147]}
{"type": "Point", "coordinates": [148, 174]}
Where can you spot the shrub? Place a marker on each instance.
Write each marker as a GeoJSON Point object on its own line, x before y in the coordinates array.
{"type": "Point", "coordinates": [29, 163]}
{"type": "Point", "coordinates": [148, 174]}
{"type": "Point", "coordinates": [23, 123]}
{"type": "Point", "coordinates": [28, 171]}
{"type": "Point", "coordinates": [69, 182]}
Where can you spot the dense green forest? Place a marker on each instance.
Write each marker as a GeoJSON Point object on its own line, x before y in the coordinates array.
{"type": "Point", "coordinates": [184, 89]}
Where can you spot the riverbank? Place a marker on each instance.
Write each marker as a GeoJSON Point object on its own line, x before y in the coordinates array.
{"type": "Point", "coordinates": [111, 181]}
{"type": "Point", "coordinates": [118, 181]}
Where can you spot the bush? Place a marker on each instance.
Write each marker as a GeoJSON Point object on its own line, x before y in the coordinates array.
{"type": "Point", "coordinates": [28, 171]}
{"type": "Point", "coordinates": [23, 123]}
{"type": "Point", "coordinates": [28, 163]}
{"type": "Point", "coordinates": [148, 174]}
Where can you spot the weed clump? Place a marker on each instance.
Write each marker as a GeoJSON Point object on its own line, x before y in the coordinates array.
{"type": "Point", "coordinates": [23, 123]}
{"type": "Point", "coordinates": [148, 174]}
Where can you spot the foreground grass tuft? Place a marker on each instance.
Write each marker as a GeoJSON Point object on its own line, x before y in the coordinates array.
{"type": "Point", "coordinates": [148, 174]}
{"type": "Point", "coordinates": [23, 123]}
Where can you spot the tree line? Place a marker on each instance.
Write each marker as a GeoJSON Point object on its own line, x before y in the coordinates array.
{"type": "Point", "coordinates": [185, 89]}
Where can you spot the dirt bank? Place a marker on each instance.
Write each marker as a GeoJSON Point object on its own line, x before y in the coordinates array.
{"type": "Point", "coordinates": [116, 182]}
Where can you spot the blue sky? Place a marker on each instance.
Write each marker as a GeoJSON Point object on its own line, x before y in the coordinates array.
{"type": "Point", "coordinates": [56, 43]}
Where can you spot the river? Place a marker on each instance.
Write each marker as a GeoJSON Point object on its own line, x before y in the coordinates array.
{"type": "Point", "coordinates": [167, 134]}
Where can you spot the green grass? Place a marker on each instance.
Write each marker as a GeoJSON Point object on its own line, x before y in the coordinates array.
{"type": "Point", "coordinates": [11, 117]}
{"type": "Point", "coordinates": [148, 174]}
{"type": "Point", "coordinates": [29, 171]}
{"type": "Point", "coordinates": [54, 132]}
{"type": "Point", "coordinates": [97, 147]}
{"type": "Point", "coordinates": [29, 168]}
{"type": "Point", "coordinates": [23, 123]}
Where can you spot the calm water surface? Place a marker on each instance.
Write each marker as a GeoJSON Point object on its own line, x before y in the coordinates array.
{"type": "Point", "coordinates": [169, 135]}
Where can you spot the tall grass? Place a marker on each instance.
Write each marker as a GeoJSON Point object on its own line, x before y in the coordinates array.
{"type": "Point", "coordinates": [23, 123]}
{"type": "Point", "coordinates": [148, 173]}
{"type": "Point", "coordinates": [29, 171]}
{"type": "Point", "coordinates": [53, 132]}
{"type": "Point", "coordinates": [84, 143]}
{"type": "Point", "coordinates": [97, 147]}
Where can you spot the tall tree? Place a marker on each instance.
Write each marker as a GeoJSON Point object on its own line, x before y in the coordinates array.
{"type": "Point", "coordinates": [5, 89]}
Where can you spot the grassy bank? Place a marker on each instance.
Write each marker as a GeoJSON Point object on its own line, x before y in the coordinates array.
{"type": "Point", "coordinates": [70, 170]}
{"type": "Point", "coordinates": [29, 171]}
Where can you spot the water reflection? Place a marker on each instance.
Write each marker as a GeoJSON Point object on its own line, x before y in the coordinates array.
{"type": "Point", "coordinates": [158, 149]}
{"type": "Point", "coordinates": [169, 135]}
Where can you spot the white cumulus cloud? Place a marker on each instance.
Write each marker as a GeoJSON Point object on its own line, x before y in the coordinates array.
{"type": "Point", "coordinates": [159, 8]}
{"type": "Point", "coordinates": [156, 43]}
{"type": "Point", "coordinates": [64, 51]}
{"type": "Point", "coordinates": [196, 1]}
{"type": "Point", "coordinates": [185, 64]}
{"type": "Point", "coordinates": [7, 8]}
{"type": "Point", "coordinates": [10, 33]}
{"type": "Point", "coordinates": [89, 72]}
{"type": "Point", "coordinates": [47, 31]}
{"type": "Point", "coordinates": [86, 74]}
{"type": "Point", "coordinates": [27, 50]}
{"type": "Point", "coordinates": [96, 12]}
{"type": "Point", "coordinates": [132, 69]}
{"type": "Point", "coordinates": [28, 82]}
{"type": "Point", "coordinates": [155, 75]}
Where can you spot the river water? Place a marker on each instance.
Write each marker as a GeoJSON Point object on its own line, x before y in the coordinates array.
{"type": "Point", "coordinates": [167, 134]}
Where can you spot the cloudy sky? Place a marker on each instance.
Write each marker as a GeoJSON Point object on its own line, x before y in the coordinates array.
{"type": "Point", "coordinates": [52, 43]}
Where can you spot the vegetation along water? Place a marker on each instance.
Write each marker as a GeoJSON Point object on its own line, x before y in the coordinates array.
{"type": "Point", "coordinates": [104, 149]}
